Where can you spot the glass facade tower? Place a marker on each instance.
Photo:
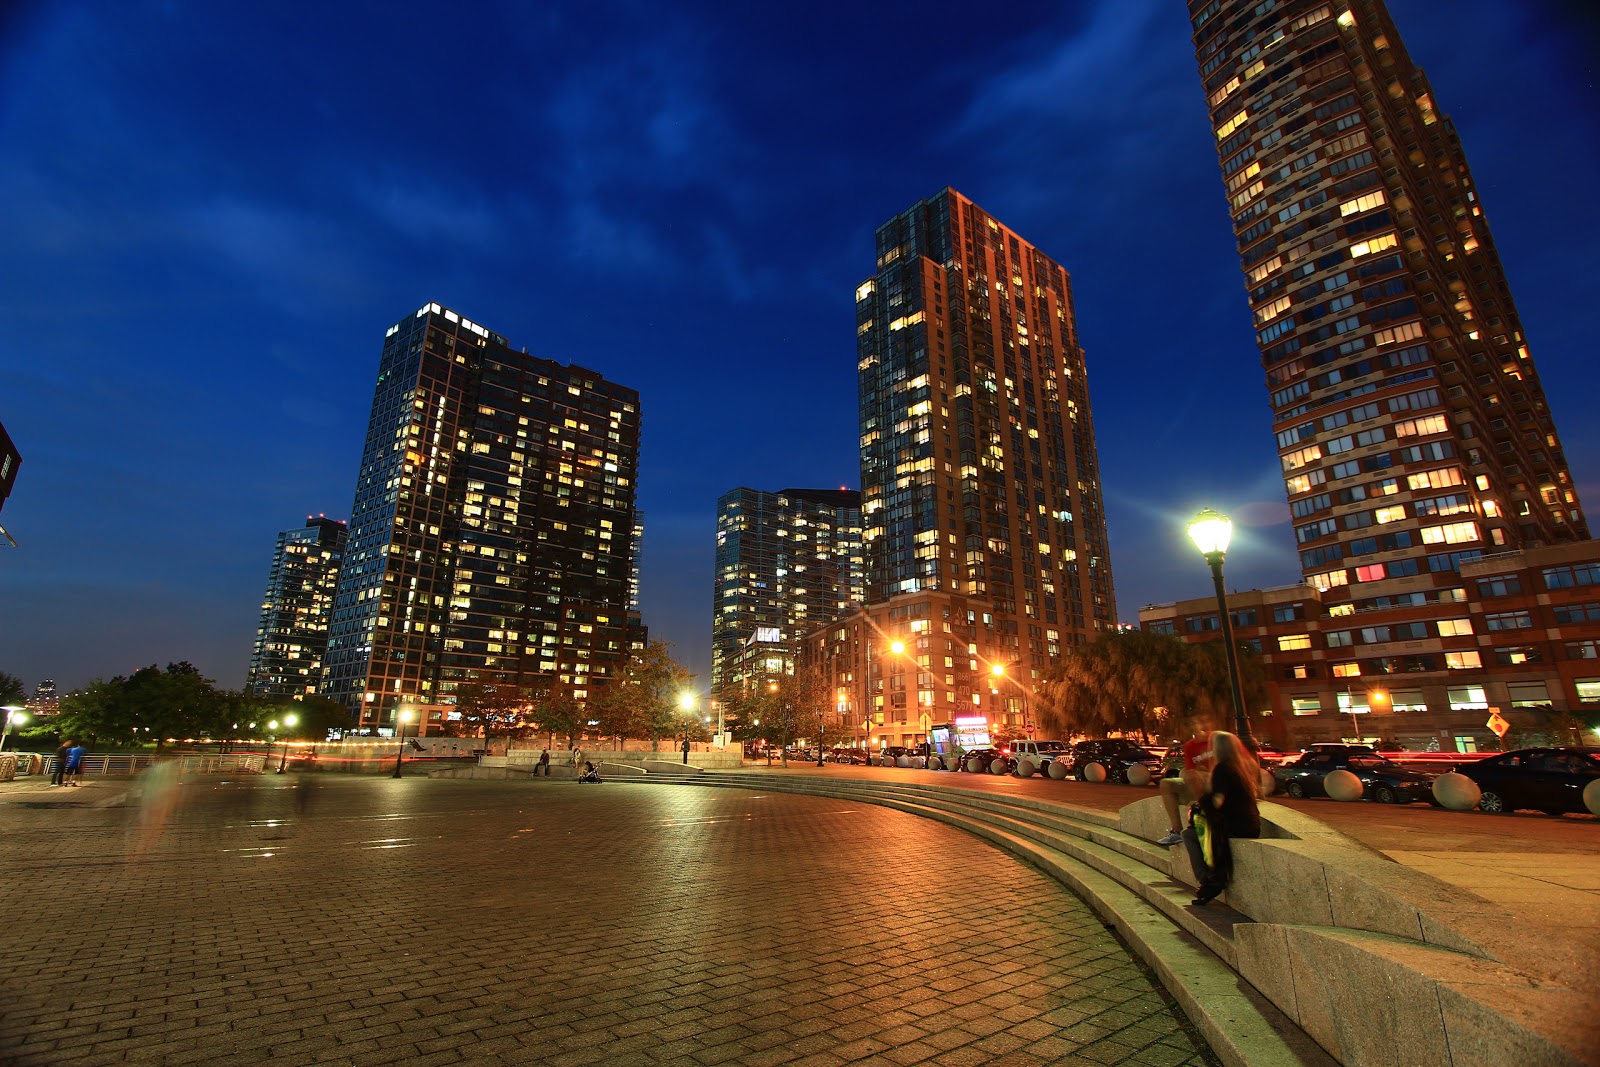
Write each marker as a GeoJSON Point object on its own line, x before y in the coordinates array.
{"type": "Point", "coordinates": [787, 562]}
{"type": "Point", "coordinates": [292, 637]}
{"type": "Point", "coordinates": [494, 524]}
{"type": "Point", "coordinates": [979, 473]}
{"type": "Point", "coordinates": [1412, 429]}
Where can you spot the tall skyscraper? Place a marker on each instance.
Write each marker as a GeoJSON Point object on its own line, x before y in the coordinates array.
{"type": "Point", "coordinates": [493, 528]}
{"type": "Point", "coordinates": [292, 637]}
{"type": "Point", "coordinates": [979, 473]}
{"type": "Point", "coordinates": [980, 483]}
{"type": "Point", "coordinates": [786, 563]}
{"type": "Point", "coordinates": [1412, 428]}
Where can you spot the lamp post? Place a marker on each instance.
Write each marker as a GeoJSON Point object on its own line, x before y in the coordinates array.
{"type": "Point", "coordinates": [288, 723]}
{"type": "Point", "coordinates": [401, 717]}
{"type": "Point", "coordinates": [687, 703]}
{"type": "Point", "coordinates": [1001, 670]}
{"type": "Point", "coordinates": [14, 714]}
{"type": "Point", "coordinates": [1210, 532]}
{"type": "Point", "coordinates": [898, 648]}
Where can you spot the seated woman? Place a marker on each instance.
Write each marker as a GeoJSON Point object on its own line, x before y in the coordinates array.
{"type": "Point", "coordinates": [1230, 809]}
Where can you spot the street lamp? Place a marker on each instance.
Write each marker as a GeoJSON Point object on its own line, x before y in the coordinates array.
{"type": "Point", "coordinates": [288, 723]}
{"type": "Point", "coordinates": [1210, 532]}
{"type": "Point", "coordinates": [14, 714]}
{"type": "Point", "coordinates": [999, 670]}
{"type": "Point", "coordinates": [401, 717]}
{"type": "Point", "coordinates": [687, 703]}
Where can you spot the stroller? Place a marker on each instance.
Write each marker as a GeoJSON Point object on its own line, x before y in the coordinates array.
{"type": "Point", "coordinates": [590, 774]}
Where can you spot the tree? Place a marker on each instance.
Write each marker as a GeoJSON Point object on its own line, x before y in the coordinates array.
{"type": "Point", "coordinates": [149, 705]}
{"type": "Point", "coordinates": [647, 694]}
{"type": "Point", "coordinates": [611, 711]}
{"type": "Point", "coordinates": [11, 691]}
{"type": "Point", "coordinates": [557, 711]}
{"type": "Point", "coordinates": [775, 709]}
{"type": "Point", "coordinates": [320, 716]}
{"type": "Point", "coordinates": [1138, 681]}
{"type": "Point", "coordinates": [487, 706]}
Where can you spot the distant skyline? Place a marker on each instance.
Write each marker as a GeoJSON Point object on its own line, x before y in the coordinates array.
{"type": "Point", "coordinates": [213, 214]}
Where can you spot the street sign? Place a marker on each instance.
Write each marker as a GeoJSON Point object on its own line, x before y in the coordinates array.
{"type": "Point", "coordinates": [1498, 724]}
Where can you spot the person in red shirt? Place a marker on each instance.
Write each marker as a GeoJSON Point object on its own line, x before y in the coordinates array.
{"type": "Point", "coordinates": [1192, 782]}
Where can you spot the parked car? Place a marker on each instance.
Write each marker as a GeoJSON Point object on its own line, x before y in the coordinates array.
{"type": "Point", "coordinates": [894, 752]}
{"type": "Point", "coordinates": [1116, 755]}
{"type": "Point", "coordinates": [853, 756]}
{"type": "Point", "coordinates": [1550, 780]}
{"type": "Point", "coordinates": [1043, 753]}
{"type": "Point", "coordinates": [1383, 781]}
{"type": "Point", "coordinates": [988, 756]}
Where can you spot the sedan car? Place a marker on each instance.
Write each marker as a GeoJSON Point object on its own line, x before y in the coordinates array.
{"type": "Point", "coordinates": [1382, 780]}
{"type": "Point", "coordinates": [1116, 755]}
{"type": "Point", "coordinates": [988, 756]}
{"type": "Point", "coordinates": [1550, 780]}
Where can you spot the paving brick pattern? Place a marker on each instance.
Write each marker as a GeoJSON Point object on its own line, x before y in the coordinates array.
{"type": "Point", "coordinates": [372, 921]}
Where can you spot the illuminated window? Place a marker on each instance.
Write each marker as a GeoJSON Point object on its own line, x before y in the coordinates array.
{"type": "Point", "coordinates": [1293, 642]}
{"type": "Point", "coordinates": [1455, 627]}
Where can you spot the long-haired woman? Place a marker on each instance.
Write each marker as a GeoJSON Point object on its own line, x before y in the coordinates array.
{"type": "Point", "coordinates": [1230, 808]}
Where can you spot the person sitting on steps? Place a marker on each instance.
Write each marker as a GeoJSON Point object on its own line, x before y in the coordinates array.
{"type": "Point", "coordinates": [1232, 810]}
{"type": "Point", "coordinates": [1192, 781]}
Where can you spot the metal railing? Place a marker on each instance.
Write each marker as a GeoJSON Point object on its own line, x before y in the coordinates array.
{"type": "Point", "coordinates": [130, 764]}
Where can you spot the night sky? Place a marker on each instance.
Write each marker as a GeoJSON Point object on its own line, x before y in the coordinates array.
{"type": "Point", "coordinates": [211, 212]}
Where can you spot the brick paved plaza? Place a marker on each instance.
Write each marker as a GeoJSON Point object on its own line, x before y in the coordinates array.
{"type": "Point", "coordinates": [365, 921]}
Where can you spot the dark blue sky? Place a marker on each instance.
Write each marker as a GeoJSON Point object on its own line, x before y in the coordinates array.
{"type": "Point", "coordinates": [211, 212]}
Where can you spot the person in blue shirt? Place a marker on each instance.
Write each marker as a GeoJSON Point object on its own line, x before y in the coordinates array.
{"type": "Point", "coordinates": [75, 756]}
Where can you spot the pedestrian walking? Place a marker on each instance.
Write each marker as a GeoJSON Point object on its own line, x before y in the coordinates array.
{"type": "Point", "coordinates": [544, 763]}
{"type": "Point", "coordinates": [58, 776]}
{"type": "Point", "coordinates": [1227, 810]}
{"type": "Point", "coordinates": [75, 756]}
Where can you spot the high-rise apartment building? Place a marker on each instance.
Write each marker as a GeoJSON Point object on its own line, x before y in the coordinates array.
{"type": "Point", "coordinates": [786, 563]}
{"type": "Point", "coordinates": [1412, 428]}
{"type": "Point", "coordinates": [46, 701]}
{"type": "Point", "coordinates": [292, 636]}
{"type": "Point", "coordinates": [494, 525]}
{"type": "Point", "coordinates": [981, 504]}
{"type": "Point", "coordinates": [978, 463]}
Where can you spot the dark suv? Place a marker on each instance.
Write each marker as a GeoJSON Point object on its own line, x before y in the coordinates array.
{"type": "Point", "coordinates": [1116, 755]}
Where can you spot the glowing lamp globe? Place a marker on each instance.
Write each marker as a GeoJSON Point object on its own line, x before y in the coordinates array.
{"type": "Point", "coordinates": [1211, 531]}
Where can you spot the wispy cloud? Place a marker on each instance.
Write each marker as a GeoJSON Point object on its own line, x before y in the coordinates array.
{"type": "Point", "coordinates": [1057, 120]}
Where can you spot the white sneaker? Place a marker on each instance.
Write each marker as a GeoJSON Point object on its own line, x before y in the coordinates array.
{"type": "Point", "coordinates": [1172, 838]}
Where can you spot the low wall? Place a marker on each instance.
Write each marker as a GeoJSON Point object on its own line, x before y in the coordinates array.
{"type": "Point", "coordinates": [713, 759]}
{"type": "Point", "coordinates": [1359, 949]}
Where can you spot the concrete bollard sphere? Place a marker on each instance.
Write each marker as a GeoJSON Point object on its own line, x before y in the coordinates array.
{"type": "Point", "coordinates": [1342, 785]}
{"type": "Point", "coordinates": [997, 766]}
{"type": "Point", "coordinates": [1269, 784]}
{"type": "Point", "coordinates": [936, 764]}
{"type": "Point", "coordinates": [1138, 774]}
{"type": "Point", "coordinates": [902, 761]}
{"type": "Point", "coordinates": [1025, 768]}
{"type": "Point", "coordinates": [976, 765]}
{"type": "Point", "coordinates": [1456, 791]}
{"type": "Point", "coordinates": [885, 761]}
{"type": "Point", "coordinates": [1058, 770]}
{"type": "Point", "coordinates": [1094, 773]}
{"type": "Point", "coordinates": [1591, 797]}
